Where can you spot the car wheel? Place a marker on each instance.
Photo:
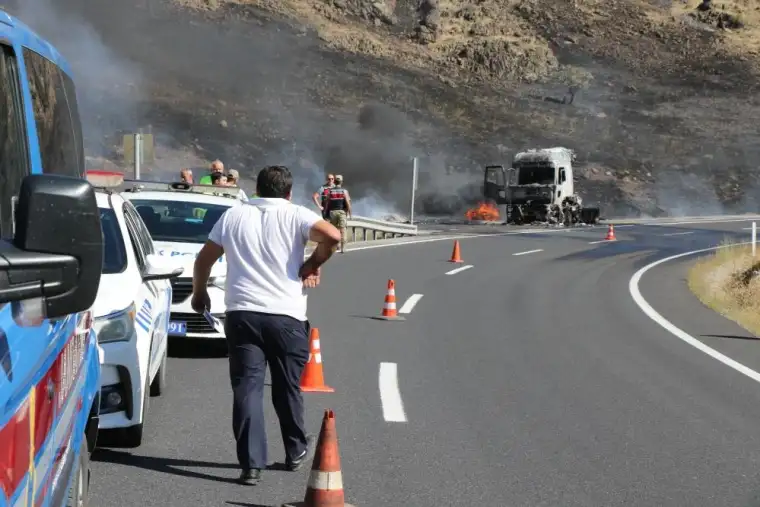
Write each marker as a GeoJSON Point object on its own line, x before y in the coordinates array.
{"type": "Point", "coordinates": [80, 487]}
{"type": "Point", "coordinates": [158, 386]}
{"type": "Point", "coordinates": [134, 434]}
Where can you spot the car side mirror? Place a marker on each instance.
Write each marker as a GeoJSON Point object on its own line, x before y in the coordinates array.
{"type": "Point", "coordinates": [56, 254]}
{"type": "Point", "coordinates": [158, 267]}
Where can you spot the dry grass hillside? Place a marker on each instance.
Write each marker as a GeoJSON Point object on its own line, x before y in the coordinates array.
{"type": "Point", "coordinates": [658, 98]}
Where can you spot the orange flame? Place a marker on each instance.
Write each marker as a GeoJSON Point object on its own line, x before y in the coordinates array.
{"type": "Point", "coordinates": [484, 211]}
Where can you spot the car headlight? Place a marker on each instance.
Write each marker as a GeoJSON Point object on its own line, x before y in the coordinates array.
{"type": "Point", "coordinates": [218, 281]}
{"type": "Point", "coordinates": [117, 327]}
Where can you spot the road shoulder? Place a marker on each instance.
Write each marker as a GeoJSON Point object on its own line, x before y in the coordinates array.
{"type": "Point", "coordinates": [665, 288]}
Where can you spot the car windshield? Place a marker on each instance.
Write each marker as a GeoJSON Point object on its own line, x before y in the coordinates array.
{"type": "Point", "coordinates": [179, 221]}
{"type": "Point", "coordinates": [114, 254]}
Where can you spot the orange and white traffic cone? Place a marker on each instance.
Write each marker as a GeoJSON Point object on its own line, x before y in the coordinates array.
{"type": "Point", "coordinates": [610, 233]}
{"type": "Point", "coordinates": [456, 255]}
{"type": "Point", "coordinates": [389, 307]}
{"type": "Point", "coordinates": [313, 378]}
{"type": "Point", "coordinates": [325, 486]}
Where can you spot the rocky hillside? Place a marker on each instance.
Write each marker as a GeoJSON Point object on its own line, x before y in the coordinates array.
{"type": "Point", "coordinates": [658, 98]}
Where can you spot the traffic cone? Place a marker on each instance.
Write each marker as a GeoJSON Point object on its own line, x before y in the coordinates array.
{"type": "Point", "coordinates": [610, 233]}
{"type": "Point", "coordinates": [325, 486]}
{"type": "Point", "coordinates": [456, 256]}
{"type": "Point", "coordinates": [389, 308]}
{"type": "Point", "coordinates": [313, 378]}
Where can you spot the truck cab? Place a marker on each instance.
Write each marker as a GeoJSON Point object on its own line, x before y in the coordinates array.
{"type": "Point", "coordinates": [51, 253]}
{"type": "Point", "coordinates": [539, 187]}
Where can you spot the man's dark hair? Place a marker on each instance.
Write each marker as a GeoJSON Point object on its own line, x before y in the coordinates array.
{"type": "Point", "coordinates": [274, 181]}
{"type": "Point", "coordinates": [216, 177]}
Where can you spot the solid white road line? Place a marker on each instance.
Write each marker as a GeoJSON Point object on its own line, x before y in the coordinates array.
{"type": "Point", "coordinates": [633, 287]}
{"type": "Point", "coordinates": [529, 252]}
{"type": "Point", "coordinates": [410, 303]}
{"type": "Point", "coordinates": [601, 241]}
{"type": "Point", "coordinates": [390, 396]}
{"type": "Point", "coordinates": [459, 270]}
{"type": "Point", "coordinates": [678, 233]}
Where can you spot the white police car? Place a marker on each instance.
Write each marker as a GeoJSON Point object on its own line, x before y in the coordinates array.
{"type": "Point", "coordinates": [179, 217]}
{"type": "Point", "coordinates": [131, 318]}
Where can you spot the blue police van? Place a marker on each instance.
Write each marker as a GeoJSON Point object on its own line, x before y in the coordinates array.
{"type": "Point", "coordinates": [51, 253]}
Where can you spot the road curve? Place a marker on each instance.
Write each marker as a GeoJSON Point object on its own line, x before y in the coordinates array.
{"type": "Point", "coordinates": [530, 379]}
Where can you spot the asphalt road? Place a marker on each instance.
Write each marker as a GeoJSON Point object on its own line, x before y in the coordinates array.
{"type": "Point", "coordinates": [531, 378]}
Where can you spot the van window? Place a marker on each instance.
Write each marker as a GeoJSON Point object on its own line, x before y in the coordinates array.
{"type": "Point", "coordinates": [14, 158]}
{"type": "Point", "coordinates": [59, 151]}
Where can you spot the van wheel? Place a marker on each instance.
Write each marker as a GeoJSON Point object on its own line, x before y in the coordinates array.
{"type": "Point", "coordinates": [79, 494]}
{"type": "Point", "coordinates": [133, 435]}
{"type": "Point", "coordinates": [158, 386]}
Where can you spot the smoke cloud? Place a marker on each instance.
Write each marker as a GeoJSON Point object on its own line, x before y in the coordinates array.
{"type": "Point", "coordinates": [108, 87]}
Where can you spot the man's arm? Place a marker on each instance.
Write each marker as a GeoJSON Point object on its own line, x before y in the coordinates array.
{"type": "Point", "coordinates": [327, 237]}
{"type": "Point", "coordinates": [316, 198]}
{"type": "Point", "coordinates": [208, 255]}
{"type": "Point", "coordinates": [348, 204]}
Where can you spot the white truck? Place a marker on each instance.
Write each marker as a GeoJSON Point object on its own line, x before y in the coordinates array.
{"type": "Point", "coordinates": [539, 188]}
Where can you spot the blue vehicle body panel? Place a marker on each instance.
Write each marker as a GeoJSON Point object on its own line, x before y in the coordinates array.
{"type": "Point", "coordinates": [28, 351]}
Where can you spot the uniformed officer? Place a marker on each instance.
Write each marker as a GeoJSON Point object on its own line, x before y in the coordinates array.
{"type": "Point", "coordinates": [339, 208]}
{"type": "Point", "coordinates": [320, 196]}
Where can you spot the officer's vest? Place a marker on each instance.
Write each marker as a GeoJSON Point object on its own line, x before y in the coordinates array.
{"type": "Point", "coordinates": [325, 191]}
{"type": "Point", "coordinates": [337, 199]}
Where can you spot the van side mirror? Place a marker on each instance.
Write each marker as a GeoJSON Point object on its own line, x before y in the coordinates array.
{"type": "Point", "coordinates": [562, 175]}
{"type": "Point", "coordinates": [57, 251]}
{"type": "Point", "coordinates": [160, 268]}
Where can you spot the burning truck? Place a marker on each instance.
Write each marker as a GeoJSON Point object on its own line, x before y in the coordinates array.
{"type": "Point", "coordinates": [538, 188]}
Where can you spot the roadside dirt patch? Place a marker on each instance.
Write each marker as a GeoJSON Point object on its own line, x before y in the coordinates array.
{"type": "Point", "coordinates": [728, 281]}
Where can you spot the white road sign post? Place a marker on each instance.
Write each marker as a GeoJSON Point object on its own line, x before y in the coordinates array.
{"type": "Point", "coordinates": [414, 189]}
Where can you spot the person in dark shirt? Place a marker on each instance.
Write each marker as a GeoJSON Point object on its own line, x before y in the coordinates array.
{"type": "Point", "coordinates": [339, 208]}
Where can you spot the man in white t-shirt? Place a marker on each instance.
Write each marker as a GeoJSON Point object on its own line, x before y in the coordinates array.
{"type": "Point", "coordinates": [264, 242]}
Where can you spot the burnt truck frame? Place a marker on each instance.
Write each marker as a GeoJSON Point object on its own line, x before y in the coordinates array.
{"type": "Point", "coordinates": [539, 187]}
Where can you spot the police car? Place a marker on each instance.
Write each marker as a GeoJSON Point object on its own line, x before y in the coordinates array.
{"type": "Point", "coordinates": [179, 217]}
{"type": "Point", "coordinates": [131, 318]}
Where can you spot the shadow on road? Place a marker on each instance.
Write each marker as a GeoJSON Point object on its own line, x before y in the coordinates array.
{"type": "Point", "coordinates": [730, 337]}
{"type": "Point", "coordinates": [194, 348]}
{"type": "Point", "coordinates": [242, 504]}
{"type": "Point", "coordinates": [164, 465]}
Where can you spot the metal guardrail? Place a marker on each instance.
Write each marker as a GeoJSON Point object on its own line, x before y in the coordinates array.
{"type": "Point", "coordinates": [369, 229]}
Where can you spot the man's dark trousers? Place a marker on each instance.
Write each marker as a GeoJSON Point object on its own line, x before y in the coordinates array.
{"type": "Point", "coordinates": [255, 339]}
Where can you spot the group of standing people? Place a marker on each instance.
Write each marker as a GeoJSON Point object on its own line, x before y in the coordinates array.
{"type": "Point", "coordinates": [335, 203]}
{"type": "Point", "coordinates": [216, 176]}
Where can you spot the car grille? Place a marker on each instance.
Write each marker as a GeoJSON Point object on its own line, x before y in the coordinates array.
{"type": "Point", "coordinates": [196, 323]}
{"type": "Point", "coordinates": [181, 289]}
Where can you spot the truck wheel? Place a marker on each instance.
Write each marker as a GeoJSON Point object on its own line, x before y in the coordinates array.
{"type": "Point", "coordinates": [79, 494]}
{"type": "Point", "coordinates": [158, 386]}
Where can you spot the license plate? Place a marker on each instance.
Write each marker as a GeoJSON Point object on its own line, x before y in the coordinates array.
{"type": "Point", "coordinates": [177, 328]}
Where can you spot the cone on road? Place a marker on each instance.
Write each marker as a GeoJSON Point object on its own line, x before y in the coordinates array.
{"type": "Point", "coordinates": [389, 307]}
{"type": "Point", "coordinates": [456, 255]}
{"type": "Point", "coordinates": [610, 233]}
{"type": "Point", "coordinates": [313, 378]}
{"type": "Point", "coordinates": [325, 486]}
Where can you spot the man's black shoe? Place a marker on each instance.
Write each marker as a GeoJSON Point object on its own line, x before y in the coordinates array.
{"type": "Point", "coordinates": [249, 477]}
{"type": "Point", "coordinates": [305, 456]}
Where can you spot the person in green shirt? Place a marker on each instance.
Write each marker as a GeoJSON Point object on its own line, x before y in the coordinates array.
{"type": "Point", "coordinates": [216, 167]}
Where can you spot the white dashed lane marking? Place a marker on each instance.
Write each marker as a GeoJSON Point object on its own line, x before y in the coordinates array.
{"type": "Point", "coordinates": [459, 270]}
{"type": "Point", "coordinates": [390, 396]}
{"type": "Point", "coordinates": [410, 303]}
{"type": "Point", "coordinates": [529, 252]}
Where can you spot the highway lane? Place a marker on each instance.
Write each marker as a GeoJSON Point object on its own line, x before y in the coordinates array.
{"type": "Point", "coordinates": [540, 414]}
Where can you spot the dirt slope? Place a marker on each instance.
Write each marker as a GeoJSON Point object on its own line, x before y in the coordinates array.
{"type": "Point", "coordinates": [664, 108]}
